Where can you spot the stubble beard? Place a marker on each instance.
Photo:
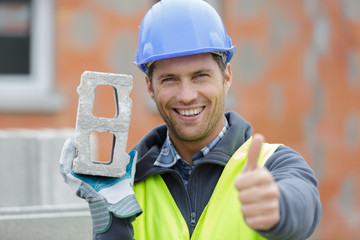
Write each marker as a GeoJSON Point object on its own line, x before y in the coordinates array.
{"type": "Point", "coordinates": [188, 136]}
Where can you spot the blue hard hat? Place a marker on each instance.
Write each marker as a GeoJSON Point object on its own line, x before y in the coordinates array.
{"type": "Point", "coordinates": [174, 28]}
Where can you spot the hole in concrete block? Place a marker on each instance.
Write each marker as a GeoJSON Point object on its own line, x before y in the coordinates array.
{"type": "Point", "coordinates": [105, 102]}
{"type": "Point", "coordinates": [102, 147]}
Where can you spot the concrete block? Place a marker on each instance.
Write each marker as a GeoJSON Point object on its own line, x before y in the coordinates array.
{"type": "Point", "coordinates": [87, 123]}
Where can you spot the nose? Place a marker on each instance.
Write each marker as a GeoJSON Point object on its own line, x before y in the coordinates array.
{"type": "Point", "coordinates": [187, 92]}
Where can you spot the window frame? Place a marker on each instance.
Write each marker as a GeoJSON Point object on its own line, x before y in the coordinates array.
{"type": "Point", "coordinates": [35, 92]}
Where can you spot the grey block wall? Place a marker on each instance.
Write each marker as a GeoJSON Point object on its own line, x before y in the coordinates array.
{"type": "Point", "coordinates": [45, 222]}
{"type": "Point", "coordinates": [35, 202]}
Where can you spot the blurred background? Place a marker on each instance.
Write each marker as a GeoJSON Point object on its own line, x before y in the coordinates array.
{"type": "Point", "coordinates": [296, 80]}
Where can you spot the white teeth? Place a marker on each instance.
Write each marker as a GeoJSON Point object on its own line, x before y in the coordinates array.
{"type": "Point", "coordinates": [190, 112]}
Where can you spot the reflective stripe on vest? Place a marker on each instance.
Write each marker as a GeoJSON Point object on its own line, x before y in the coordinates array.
{"type": "Point", "coordinates": [221, 219]}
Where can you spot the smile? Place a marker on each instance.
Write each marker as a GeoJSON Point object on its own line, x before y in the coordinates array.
{"type": "Point", "coordinates": [190, 112]}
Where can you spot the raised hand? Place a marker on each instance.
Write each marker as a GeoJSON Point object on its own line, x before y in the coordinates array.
{"type": "Point", "coordinates": [105, 195]}
{"type": "Point", "coordinates": [258, 192]}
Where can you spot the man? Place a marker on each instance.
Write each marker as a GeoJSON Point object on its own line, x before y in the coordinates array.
{"type": "Point", "coordinates": [186, 168]}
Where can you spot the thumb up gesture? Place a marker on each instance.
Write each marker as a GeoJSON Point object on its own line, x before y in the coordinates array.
{"type": "Point", "coordinates": [258, 192]}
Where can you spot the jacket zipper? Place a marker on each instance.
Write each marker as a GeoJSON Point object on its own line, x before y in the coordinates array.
{"type": "Point", "coordinates": [192, 224]}
{"type": "Point", "coordinates": [193, 220]}
{"type": "Point", "coordinates": [193, 208]}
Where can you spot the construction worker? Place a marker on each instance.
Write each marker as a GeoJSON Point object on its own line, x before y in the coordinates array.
{"type": "Point", "coordinates": [201, 175]}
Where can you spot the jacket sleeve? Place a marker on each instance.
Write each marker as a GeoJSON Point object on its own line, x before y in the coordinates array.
{"type": "Point", "coordinates": [300, 206]}
{"type": "Point", "coordinates": [120, 229]}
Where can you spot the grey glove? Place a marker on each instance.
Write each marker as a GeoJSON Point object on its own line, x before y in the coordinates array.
{"type": "Point", "coordinates": [105, 195]}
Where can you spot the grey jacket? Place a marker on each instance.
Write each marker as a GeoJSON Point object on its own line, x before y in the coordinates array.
{"type": "Point", "coordinates": [295, 179]}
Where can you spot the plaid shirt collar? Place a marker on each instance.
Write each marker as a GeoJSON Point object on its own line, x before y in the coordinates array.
{"type": "Point", "coordinates": [168, 156]}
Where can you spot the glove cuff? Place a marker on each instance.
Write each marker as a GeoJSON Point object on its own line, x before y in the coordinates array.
{"type": "Point", "coordinates": [100, 211]}
{"type": "Point", "coordinates": [100, 215]}
{"type": "Point", "coordinates": [125, 208]}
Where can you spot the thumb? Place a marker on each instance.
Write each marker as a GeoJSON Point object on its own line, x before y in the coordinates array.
{"type": "Point", "coordinates": [131, 168]}
{"type": "Point", "coordinates": [254, 152]}
{"type": "Point", "coordinates": [67, 155]}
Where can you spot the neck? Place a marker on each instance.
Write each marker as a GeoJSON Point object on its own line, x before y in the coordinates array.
{"type": "Point", "coordinates": [188, 149]}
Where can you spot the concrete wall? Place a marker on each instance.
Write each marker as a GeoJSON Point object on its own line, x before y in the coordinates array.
{"type": "Point", "coordinates": [35, 202]}
{"type": "Point", "coordinates": [29, 168]}
{"type": "Point", "coordinates": [55, 222]}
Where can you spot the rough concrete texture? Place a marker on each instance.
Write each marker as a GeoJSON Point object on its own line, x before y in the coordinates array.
{"type": "Point", "coordinates": [87, 123]}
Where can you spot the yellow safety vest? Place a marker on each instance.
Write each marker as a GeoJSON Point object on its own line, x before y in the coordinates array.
{"type": "Point", "coordinates": [221, 219]}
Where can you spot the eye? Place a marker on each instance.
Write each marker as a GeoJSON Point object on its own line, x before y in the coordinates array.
{"type": "Point", "coordinates": [168, 79]}
{"type": "Point", "coordinates": [201, 75]}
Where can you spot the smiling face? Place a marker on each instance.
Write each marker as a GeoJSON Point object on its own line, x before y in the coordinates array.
{"type": "Point", "coordinates": [190, 95]}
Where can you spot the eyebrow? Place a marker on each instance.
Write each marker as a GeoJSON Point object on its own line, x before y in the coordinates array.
{"type": "Point", "coordinates": [190, 74]}
{"type": "Point", "coordinates": [166, 75]}
{"type": "Point", "coordinates": [202, 71]}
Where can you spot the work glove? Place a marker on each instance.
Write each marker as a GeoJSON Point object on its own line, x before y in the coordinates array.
{"type": "Point", "coordinates": [105, 195]}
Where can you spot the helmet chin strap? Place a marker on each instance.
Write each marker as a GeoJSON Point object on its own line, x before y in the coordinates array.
{"type": "Point", "coordinates": [222, 54]}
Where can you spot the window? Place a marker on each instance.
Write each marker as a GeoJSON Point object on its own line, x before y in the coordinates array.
{"type": "Point", "coordinates": [26, 57]}
{"type": "Point", "coordinates": [14, 37]}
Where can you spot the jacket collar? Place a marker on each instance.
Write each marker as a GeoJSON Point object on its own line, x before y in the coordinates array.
{"type": "Point", "coordinates": [150, 146]}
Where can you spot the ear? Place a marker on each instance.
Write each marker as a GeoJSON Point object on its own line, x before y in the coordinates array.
{"type": "Point", "coordinates": [227, 78]}
{"type": "Point", "coordinates": [149, 88]}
